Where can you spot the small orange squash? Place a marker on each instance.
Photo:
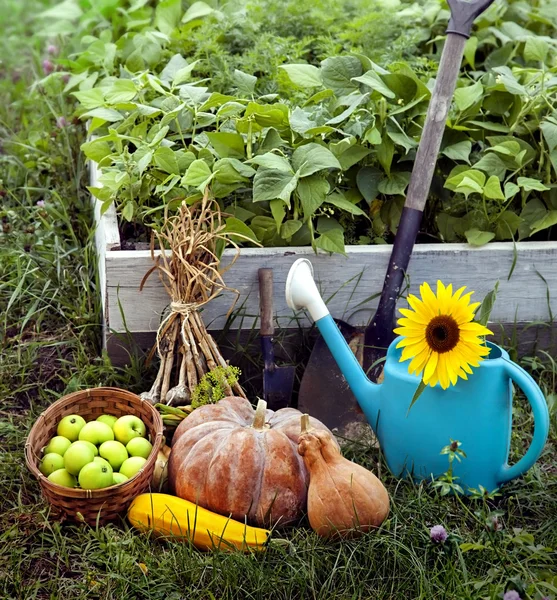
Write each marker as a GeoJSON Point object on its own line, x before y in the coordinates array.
{"type": "Point", "coordinates": [242, 463]}
{"type": "Point", "coordinates": [344, 499]}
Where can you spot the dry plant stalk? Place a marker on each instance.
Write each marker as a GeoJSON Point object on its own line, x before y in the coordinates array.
{"type": "Point", "coordinates": [191, 276]}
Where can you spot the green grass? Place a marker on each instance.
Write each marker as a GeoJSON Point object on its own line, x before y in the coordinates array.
{"type": "Point", "coordinates": [50, 345]}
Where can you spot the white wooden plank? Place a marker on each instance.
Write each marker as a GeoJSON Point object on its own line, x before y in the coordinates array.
{"type": "Point", "coordinates": [347, 282]}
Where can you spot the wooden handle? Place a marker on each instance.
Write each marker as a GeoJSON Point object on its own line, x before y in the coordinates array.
{"type": "Point", "coordinates": [266, 301]}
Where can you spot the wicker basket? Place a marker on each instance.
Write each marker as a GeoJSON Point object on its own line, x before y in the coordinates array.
{"type": "Point", "coordinates": [84, 505]}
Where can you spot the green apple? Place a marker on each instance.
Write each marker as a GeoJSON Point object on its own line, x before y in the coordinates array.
{"type": "Point", "coordinates": [96, 432]}
{"type": "Point", "coordinates": [118, 478]}
{"type": "Point", "coordinates": [114, 452]}
{"type": "Point", "coordinates": [62, 477]}
{"type": "Point", "coordinates": [139, 447]}
{"type": "Point", "coordinates": [132, 466]}
{"type": "Point", "coordinates": [96, 475]}
{"type": "Point", "coordinates": [92, 446]}
{"type": "Point", "coordinates": [58, 444]}
{"type": "Point", "coordinates": [70, 426]}
{"type": "Point", "coordinates": [108, 420]}
{"type": "Point", "coordinates": [128, 427]}
{"type": "Point", "coordinates": [77, 456]}
{"type": "Point", "coordinates": [51, 462]}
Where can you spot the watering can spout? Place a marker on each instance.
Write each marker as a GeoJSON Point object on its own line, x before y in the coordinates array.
{"type": "Point", "coordinates": [302, 293]}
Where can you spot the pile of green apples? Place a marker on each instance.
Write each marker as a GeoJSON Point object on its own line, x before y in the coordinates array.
{"type": "Point", "coordinates": [96, 454]}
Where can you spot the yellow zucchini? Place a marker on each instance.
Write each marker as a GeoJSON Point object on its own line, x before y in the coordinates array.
{"type": "Point", "coordinates": [172, 516]}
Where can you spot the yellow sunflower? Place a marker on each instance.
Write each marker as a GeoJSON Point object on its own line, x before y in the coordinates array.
{"type": "Point", "coordinates": [440, 336]}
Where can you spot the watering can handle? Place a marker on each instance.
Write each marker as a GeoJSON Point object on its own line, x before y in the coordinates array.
{"type": "Point", "coordinates": [541, 421]}
{"type": "Point", "coordinates": [463, 14]}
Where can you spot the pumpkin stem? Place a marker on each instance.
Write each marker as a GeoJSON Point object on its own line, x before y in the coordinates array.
{"type": "Point", "coordinates": [259, 419]}
{"type": "Point", "coordinates": [305, 423]}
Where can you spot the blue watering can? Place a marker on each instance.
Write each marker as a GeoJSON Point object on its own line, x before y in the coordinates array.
{"type": "Point", "coordinates": [476, 412]}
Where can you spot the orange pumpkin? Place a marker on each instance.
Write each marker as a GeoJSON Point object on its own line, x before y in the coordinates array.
{"type": "Point", "coordinates": [237, 461]}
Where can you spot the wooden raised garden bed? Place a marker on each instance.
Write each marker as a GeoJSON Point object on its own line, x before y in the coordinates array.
{"type": "Point", "coordinates": [526, 301]}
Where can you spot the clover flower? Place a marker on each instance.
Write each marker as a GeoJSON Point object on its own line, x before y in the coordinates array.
{"type": "Point", "coordinates": [438, 534]}
{"type": "Point", "coordinates": [48, 67]}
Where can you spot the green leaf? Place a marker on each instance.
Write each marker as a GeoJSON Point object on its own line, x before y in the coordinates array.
{"type": "Point", "coordinates": [312, 192]}
{"type": "Point", "coordinates": [167, 15]}
{"type": "Point", "coordinates": [396, 184]}
{"type": "Point", "coordinates": [352, 155]}
{"type": "Point", "coordinates": [96, 150]}
{"type": "Point", "coordinates": [468, 546]}
{"type": "Point", "coordinates": [245, 83]}
{"type": "Point", "coordinates": [90, 99]}
{"type": "Point", "coordinates": [305, 76]}
{"type": "Point", "coordinates": [271, 184]}
{"type": "Point", "coordinates": [507, 225]}
{"type": "Point", "coordinates": [472, 174]}
{"type": "Point", "coordinates": [234, 225]}
{"type": "Point", "coordinates": [337, 199]}
{"type": "Point", "coordinates": [401, 139]}
{"type": "Point", "coordinates": [269, 160]}
{"type": "Point", "coordinates": [331, 241]}
{"type": "Point", "coordinates": [289, 228]}
{"type": "Point", "coordinates": [227, 145]}
{"type": "Point", "coordinates": [278, 210]}
{"type": "Point", "coordinates": [165, 159]}
{"type": "Point", "coordinates": [470, 50]}
{"type": "Point", "coordinates": [468, 96]}
{"type": "Point", "coordinates": [373, 136]}
{"type": "Point", "coordinates": [374, 81]}
{"type": "Point", "coordinates": [127, 211]}
{"type": "Point", "coordinates": [549, 130]}
{"type": "Point", "coordinates": [403, 86]}
{"type": "Point", "coordinates": [121, 91]}
{"type": "Point", "coordinates": [184, 74]}
{"type": "Point", "coordinates": [492, 189]}
{"type": "Point", "coordinates": [337, 73]}
{"type": "Point", "coordinates": [459, 151]}
{"type": "Point", "coordinates": [507, 81]}
{"type": "Point", "coordinates": [68, 10]}
{"type": "Point", "coordinates": [385, 152]}
{"type": "Point", "coordinates": [508, 148]}
{"type": "Point", "coordinates": [310, 158]}
{"type": "Point", "coordinates": [545, 222]}
{"type": "Point", "coordinates": [230, 171]}
{"type": "Point", "coordinates": [197, 10]}
{"type": "Point", "coordinates": [106, 114]}
{"type": "Point", "coordinates": [528, 184]}
{"type": "Point", "coordinates": [419, 390]}
{"type": "Point", "coordinates": [476, 237]}
{"type": "Point", "coordinates": [511, 189]}
{"type": "Point", "coordinates": [355, 101]}
{"type": "Point", "coordinates": [469, 186]}
{"type": "Point", "coordinates": [143, 157]}
{"type": "Point", "coordinates": [268, 115]}
{"type": "Point", "coordinates": [216, 99]}
{"type": "Point", "coordinates": [198, 175]}
{"type": "Point", "coordinates": [367, 180]}
{"type": "Point", "coordinates": [536, 49]}
{"type": "Point", "coordinates": [319, 97]}
{"type": "Point", "coordinates": [492, 164]}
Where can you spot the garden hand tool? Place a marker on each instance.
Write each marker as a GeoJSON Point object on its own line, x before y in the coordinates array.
{"type": "Point", "coordinates": [323, 386]}
{"type": "Point", "coordinates": [277, 381]}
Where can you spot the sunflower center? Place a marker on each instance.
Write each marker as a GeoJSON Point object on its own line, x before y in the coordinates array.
{"type": "Point", "coordinates": [442, 333]}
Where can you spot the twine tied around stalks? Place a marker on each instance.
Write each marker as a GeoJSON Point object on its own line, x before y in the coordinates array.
{"type": "Point", "coordinates": [188, 265]}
